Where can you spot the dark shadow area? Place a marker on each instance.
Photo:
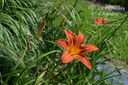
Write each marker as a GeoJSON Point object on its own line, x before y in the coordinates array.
{"type": "Point", "coordinates": [118, 6]}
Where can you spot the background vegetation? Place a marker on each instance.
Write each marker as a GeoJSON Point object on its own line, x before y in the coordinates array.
{"type": "Point", "coordinates": [19, 22]}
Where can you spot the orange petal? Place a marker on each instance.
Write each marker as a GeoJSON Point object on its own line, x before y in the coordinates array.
{"type": "Point", "coordinates": [66, 57]}
{"type": "Point", "coordinates": [71, 37]}
{"type": "Point", "coordinates": [84, 60]}
{"type": "Point", "coordinates": [88, 48]}
{"type": "Point", "coordinates": [95, 19]}
{"type": "Point", "coordinates": [62, 43]}
{"type": "Point", "coordinates": [105, 18]}
{"type": "Point", "coordinates": [80, 38]}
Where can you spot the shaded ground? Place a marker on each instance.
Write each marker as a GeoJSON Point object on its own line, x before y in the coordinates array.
{"type": "Point", "coordinates": [103, 4]}
{"type": "Point", "coordinates": [122, 74]}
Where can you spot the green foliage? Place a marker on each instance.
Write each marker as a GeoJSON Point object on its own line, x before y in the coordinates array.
{"type": "Point", "coordinates": [41, 64]}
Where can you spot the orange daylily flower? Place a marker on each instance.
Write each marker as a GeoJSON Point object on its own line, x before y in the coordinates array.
{"type": "Point", "coordinates": [100, 21]}
{"type": "Point", "coordinates": [75, 49]}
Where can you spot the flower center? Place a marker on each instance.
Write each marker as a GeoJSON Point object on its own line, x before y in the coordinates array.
{"type": "Point", "coordinates": [74, 50]}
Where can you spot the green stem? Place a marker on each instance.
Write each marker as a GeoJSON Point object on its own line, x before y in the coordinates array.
{"type": "Point", "coordinates": [118, 27]}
